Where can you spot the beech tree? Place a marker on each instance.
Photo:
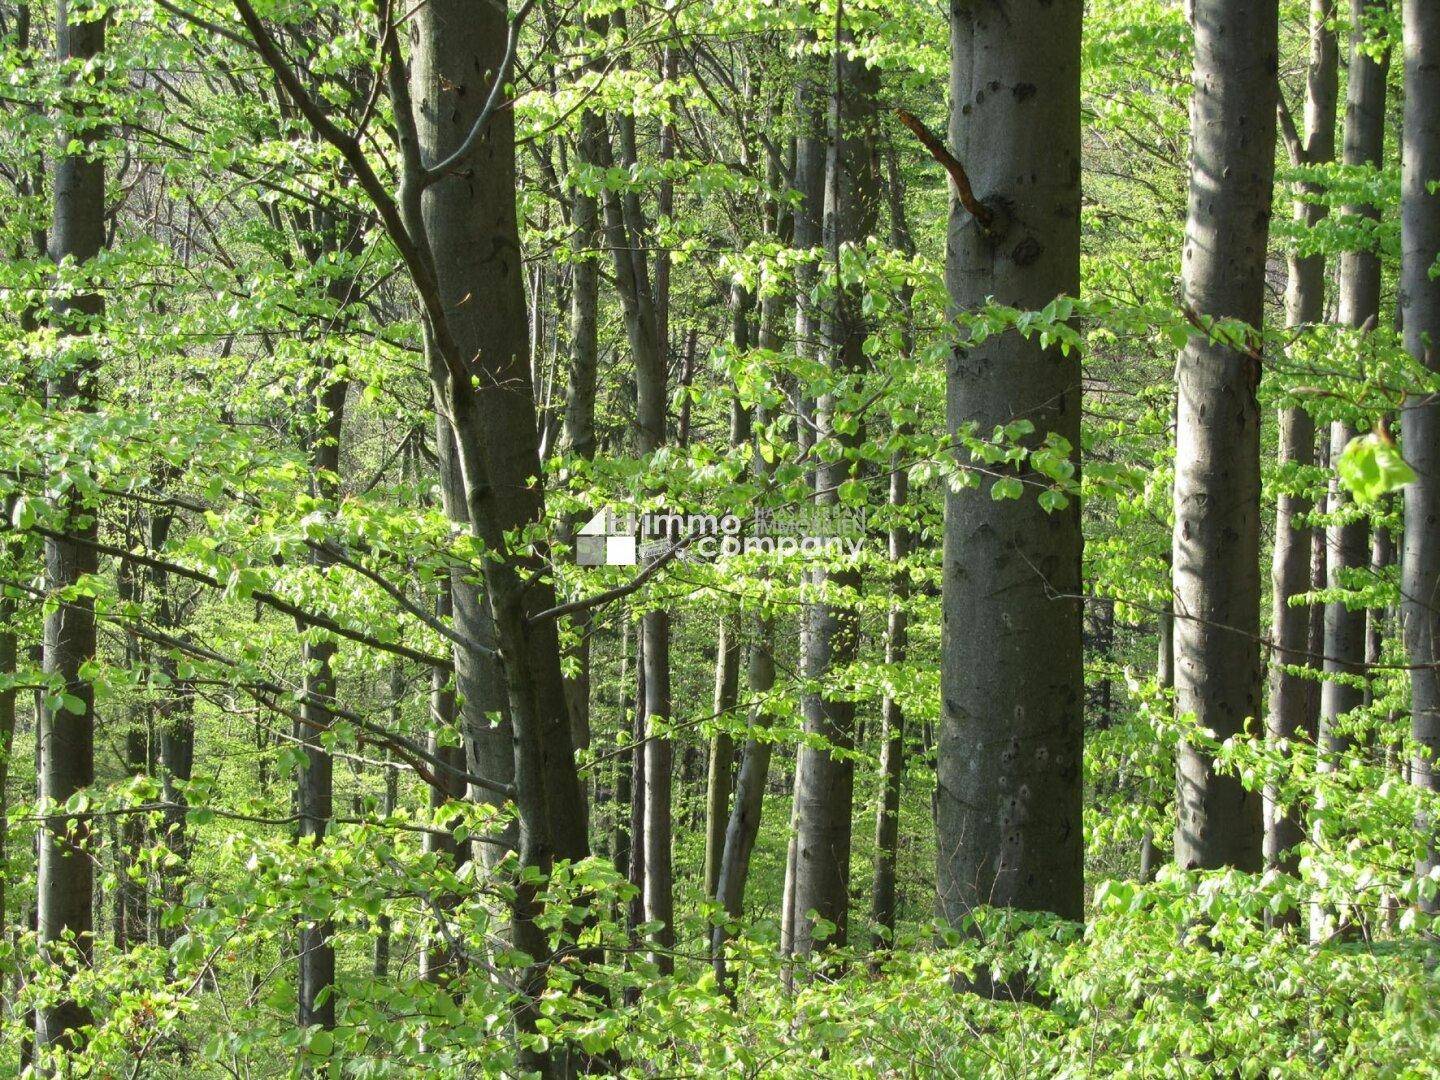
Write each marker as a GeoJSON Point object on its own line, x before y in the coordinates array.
{"type": "Point", "coordinates": [1008, 829]}
{"type": "Point", "coordinates": [353, 719]}
{"type": "Point", "coordinates": [1217, 448]}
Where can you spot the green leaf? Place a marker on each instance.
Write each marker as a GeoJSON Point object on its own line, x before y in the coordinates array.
{"type": "Point", "coordinates": [1007, 487]}
{"type": "Point", "coordinates": [1371, 466]}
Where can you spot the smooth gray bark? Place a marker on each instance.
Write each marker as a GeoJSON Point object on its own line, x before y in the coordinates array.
{"type": "Point", "coordinates": [1217, 465]}
{"type": "Point", "coordinates": [1347, 538]}
{"type": "Point", "coordinates": [1420, 418]}
{"type": "Point", "coordinates": [826, 780]}
{"type": "Point", "coordinates": [1289, 716]}
{"type": "Point", "coordinates": [1012, 686]}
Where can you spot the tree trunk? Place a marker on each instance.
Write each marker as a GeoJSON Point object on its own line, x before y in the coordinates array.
{"type": "Point", "coordinates": [892, 717]}
{"type": "Point", "coordinates": [1288, 718]}
{"type": "Point", "coordinates": [722, 751]}
{"type": "Point", "coordinates": [479, 680]}
{"type": "Point", "coordinates": [67, 726]}
{"type": "Point", "coordinates": [727, 651]}
{"type": "Point", "coordinates": [1347, 533]}
{"type": "Point", "coordinates": [438, 961]}
{"type": "Point", "coordinates": [579, 422]}
{"type": "Point", "coordinates": [316, 779]}
{"type": "Point", "coordinates": [825, 788]}
{"type": "Point", "coordinates": [1217, 467]}
{"type": "Point", "coordinates": [1420, 418]}
{"type": "Point", "coordinates": [1012, 682]}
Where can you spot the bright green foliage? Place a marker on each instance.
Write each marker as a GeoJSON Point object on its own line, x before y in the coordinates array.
{"type": "Point", "coordinates": [229, 314]}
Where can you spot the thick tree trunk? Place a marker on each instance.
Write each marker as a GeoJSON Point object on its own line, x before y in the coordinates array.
{"type": "Point", "coordinates": [1420, 418]}
{"type": "Point", "coordinates": [477, 340]}
{"type": "Point", "coordinates": [1012, 683]}
{"type": "Point", "coordinates": [1217, 466]}
{"type": "Point", "coordinates": [1288, 717]}
{"type": "Point", "coordinates": [67, 729]}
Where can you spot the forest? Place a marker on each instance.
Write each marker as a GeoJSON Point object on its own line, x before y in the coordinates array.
{"type": "Point", "coordinates": [764, 538]}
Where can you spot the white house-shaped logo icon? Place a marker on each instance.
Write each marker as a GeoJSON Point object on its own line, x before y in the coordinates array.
{"type": "Point", "coordinates": [606, 541]}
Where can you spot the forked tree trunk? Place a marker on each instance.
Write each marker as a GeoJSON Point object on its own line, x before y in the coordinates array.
{"type": "Point", "coordinates": [1012, 684]}
{"type": "Point", "coordinates": [1217, 464]}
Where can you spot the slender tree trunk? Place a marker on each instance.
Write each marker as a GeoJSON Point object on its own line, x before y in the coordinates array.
{"type": "Point", "coordinates": [892, 717]}
{"type": "Point", "coordinates": [67, 726]}
{"type": "Point", "coordinates": [579, 422]}
{"type": "Point", "coordinates": [722, 751]}
{"type": "Point", "coordinates": [1420, 418]}
{"type": "Point", "coordinates": [174, 731]}
{"type": "Point", "coordinates": [809, 184]}
{"type": "Point", "coordinates": [1012, 682]}
{"type": "Point", "coordinates": [1347, 533]}
{"type": "Point", "coordinates": [636, 914]}
{"type": "Point", "coordinates": [1150, 853]}
{"type": "Point", "coordinates": [1217, 467]}
{"type": "Point", "coordinates": [1288, 718]}
{"type": "Point", "coordinates": [1382, 556]}
{"type": "Point", "coordinates": [892, 738]}
{"type": "Point", "coordinates": [438, 961]}
{"type": "Point", "coordinates": [315, 990]}
{"type": "Point", "coordinates": [380, 964]}
{"type": "Point", "coordinates": [132, 921]}
{"type": "Point", "coordinates": [9, 660]}
{"type": "Point", "coordinates": [825, 789]}
{"type": "Point", "coordinates": [727, 653]}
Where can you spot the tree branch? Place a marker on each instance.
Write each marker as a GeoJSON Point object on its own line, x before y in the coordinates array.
{"type": "Point", "coordinates": [492, 102]}
{"type": "Point", "coordinates": [941, 153]}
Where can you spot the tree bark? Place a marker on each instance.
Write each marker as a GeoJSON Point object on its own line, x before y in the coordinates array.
{"type": "Point", "coordinates": [825, 788]}
{"type": "Point", "coordinates": [1420, 418]}
{"type": "Point", "coordinates": [1012, 683]}
{"type": "Point", "coordinates": [1217, 468]}
{"type": "Point", "coordinates": [727, 652]}
{"type": "Point", "coordinates": [67, 726]}
{"type": "Point", "coordinates": [438, 961]}
{"type": "Point", "coordinates": [1288, 718]}
{"type": "Point", "coordinates": [901, 542]}
{"type": "Point", "coordinates": [1347, 532]}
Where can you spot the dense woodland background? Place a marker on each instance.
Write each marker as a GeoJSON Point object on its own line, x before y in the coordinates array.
{"type": "Point", "coordinates": [328, 325]}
